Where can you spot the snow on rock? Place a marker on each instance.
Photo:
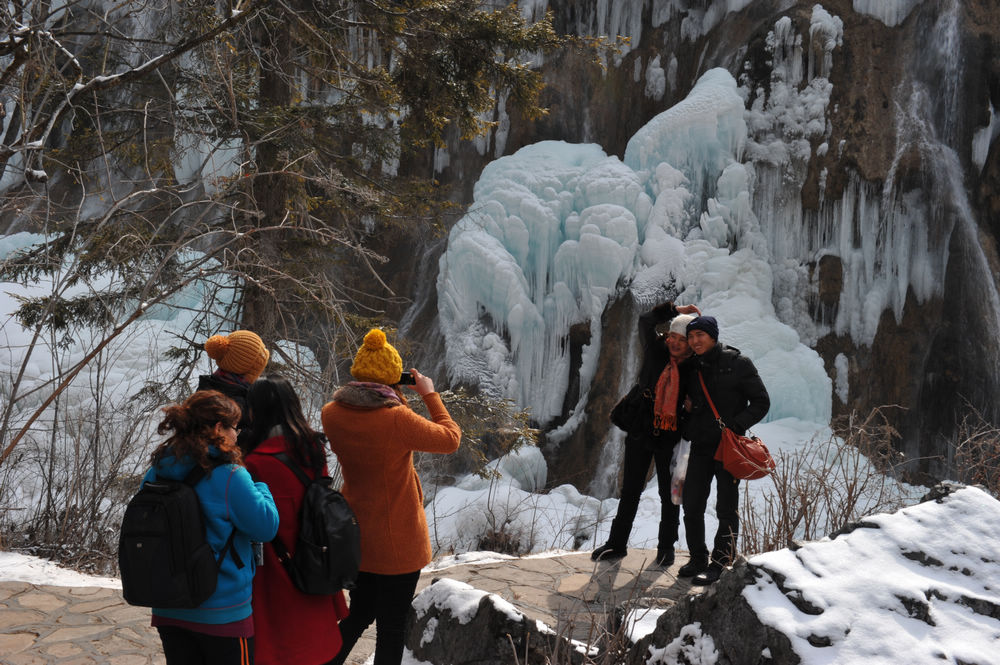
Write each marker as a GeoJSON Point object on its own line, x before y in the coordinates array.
{"type": "Point", "coordinates": [460, 599]}
{"type": "Point", "coordinates": [890, 12]}
{"type": "Point", "coordinates": [912, 579]}
{"type": "Point", "coordinates": [918, 586]}
{"type": "Point", "coordinates": [456, 623]}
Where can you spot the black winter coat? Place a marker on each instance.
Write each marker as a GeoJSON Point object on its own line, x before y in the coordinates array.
{"type": "Point", "coordinates": [655, 357]}
{"type": "Point", "coordinates": [736, 390]}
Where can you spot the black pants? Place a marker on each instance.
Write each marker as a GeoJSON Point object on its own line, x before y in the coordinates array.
{"type": "Point", "coordinates": [639, 452]}
{"type": "Point", "coordinates": [702, 469]}
{"type": "Point", "coordinates": [187, 647]}
{"type": "Point", "coordinates": [384, 599]}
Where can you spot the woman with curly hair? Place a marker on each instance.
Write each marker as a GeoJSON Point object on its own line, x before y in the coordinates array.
{"type": "Point", "coordinates": [202, 433]}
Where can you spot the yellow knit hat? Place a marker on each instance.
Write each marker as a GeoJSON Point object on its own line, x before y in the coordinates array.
{"type": "Point", "coordinates": [377, 360]}
{"type": "Point", "coordinates": [241, 352]}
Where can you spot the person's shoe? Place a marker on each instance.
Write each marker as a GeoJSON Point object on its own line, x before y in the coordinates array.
{"type": "Point", "coordinates": [710, 576]}
{"type": "Point", "coordinates": [693, 567]}
{"type": "Point", "coordinates": [664, 558]}
{"type": "Point", "coordinates": [608, 552]}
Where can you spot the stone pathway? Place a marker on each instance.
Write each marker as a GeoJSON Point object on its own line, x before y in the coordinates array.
{"type": "Point", "coordinates": [47, 625]}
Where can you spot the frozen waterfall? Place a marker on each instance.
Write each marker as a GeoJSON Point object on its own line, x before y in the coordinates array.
{"type": "Point", "coordinates": [557, 230]}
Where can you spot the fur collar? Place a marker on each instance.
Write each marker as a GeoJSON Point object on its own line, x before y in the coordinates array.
{"type": "Point", "coordinates": [366, 396]}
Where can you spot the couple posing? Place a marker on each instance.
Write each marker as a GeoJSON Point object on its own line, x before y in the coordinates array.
{"type": "Point", "coordinates": [678, 347]}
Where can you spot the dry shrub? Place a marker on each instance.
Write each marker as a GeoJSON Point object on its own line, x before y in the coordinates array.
{"type": "Point", "coordinates": [821, 487]}
{"type": "Point", "coordinates": [976, 452]}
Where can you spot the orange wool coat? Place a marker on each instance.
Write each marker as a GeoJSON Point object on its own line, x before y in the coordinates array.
{"type": "Point", "coordinates": [374, 439]}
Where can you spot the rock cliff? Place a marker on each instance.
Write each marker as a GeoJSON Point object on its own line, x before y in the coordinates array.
{"type": "Point", "coordinates": [880, 207]}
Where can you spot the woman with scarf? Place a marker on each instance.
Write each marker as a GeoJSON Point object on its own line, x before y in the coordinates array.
{"type": "Point", "coordinates": [652, 435]}
{"type": "Point", "coordinates": [374, 432]}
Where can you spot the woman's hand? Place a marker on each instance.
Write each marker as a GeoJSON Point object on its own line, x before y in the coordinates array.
{"type": "Point", "coordinates": [422, 384]}
{"type": "Point", "coordinates": [688, 309]}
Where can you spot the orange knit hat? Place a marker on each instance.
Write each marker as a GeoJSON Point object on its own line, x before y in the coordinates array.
{"type": "Point", "coordinates": [377, 360]}
{"type": "Point", "coordinates": [241, 352]}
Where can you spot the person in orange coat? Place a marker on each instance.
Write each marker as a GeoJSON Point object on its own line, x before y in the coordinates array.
{"type": "Point", "coordinates": [374, 432]}
{"type": "Point", "coordinates": [291, 626]}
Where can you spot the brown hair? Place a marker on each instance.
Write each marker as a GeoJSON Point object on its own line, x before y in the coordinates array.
{"type": "Point", "coordinates": [192, 428]}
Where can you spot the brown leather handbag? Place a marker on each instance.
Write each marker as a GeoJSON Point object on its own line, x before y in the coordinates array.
{"type": "Point", "coordinates": [745, 457]}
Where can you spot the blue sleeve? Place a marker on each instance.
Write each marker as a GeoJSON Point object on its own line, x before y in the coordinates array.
{"type": "Point", "coordinates": [251, 506]}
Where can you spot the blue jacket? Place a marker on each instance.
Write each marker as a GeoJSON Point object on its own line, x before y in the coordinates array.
{"type": "Point", "coordinates": [229, 499]}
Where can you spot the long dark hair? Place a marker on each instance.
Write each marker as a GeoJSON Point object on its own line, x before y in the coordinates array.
{"type": "Point", "coordinates": [273, 403]}
{"type": "Point", "coordinates": [192, 428]}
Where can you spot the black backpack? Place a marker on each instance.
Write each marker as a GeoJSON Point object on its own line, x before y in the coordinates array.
{"type": "Point", "coordinates": [164, 558]}
{"type": "Point", "coordinates": [328, 547]}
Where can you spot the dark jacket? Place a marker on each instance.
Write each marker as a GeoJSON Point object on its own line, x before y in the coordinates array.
{"type": "Point", "coordinates": [736, 389]}
{"type": "Point", "coordinates": [655, 357]}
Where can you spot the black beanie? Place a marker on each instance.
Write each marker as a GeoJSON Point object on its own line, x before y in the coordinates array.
{"type": "Point", "coordinates": [707, 324]}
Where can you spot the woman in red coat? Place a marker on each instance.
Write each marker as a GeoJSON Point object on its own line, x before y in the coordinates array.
{"type": "Point", "coordinates": [291, 627]}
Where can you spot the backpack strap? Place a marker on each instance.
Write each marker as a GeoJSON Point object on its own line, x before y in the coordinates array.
{"type": "Point", "coordinates": [193, 477]}
{"type": "Point", "coordinates": [277, 543]}
{"type": "Point", "coordinates": [286, 459]}
{"type": "Point", "coordinates": [231, 548]}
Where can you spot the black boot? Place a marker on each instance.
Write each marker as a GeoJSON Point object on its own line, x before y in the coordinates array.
{"type": "Point", "coordinates": [608, 552]}
{"type": "Point", "coordinates": [664, 558]}
{"type": "Point", "coordinates": [697, 564]}
{"type": "Point", "coordinates": [710, 576]}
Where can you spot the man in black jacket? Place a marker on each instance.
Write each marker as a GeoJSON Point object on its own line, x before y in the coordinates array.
{"type": "Point", "coordinates": [662, 332]}
{"type": "Point", "coordinates": [742, 401]}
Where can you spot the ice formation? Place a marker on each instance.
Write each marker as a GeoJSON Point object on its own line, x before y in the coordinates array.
{"type": "Point", "coordinates": [558, 230]}
{"type": "Point", "coordinates": [890, 12]}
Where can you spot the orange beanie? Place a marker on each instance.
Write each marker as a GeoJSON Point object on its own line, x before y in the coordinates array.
{"type": "Point", "coordinates": [377, 360]}
{"type": "Point", "coordinates": [241, 352]}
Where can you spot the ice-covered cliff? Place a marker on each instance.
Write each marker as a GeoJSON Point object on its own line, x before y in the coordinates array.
{"type": "Point", "coordinates": [818, 175]}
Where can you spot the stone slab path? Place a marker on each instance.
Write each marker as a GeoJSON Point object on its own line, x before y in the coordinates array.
{"type": "Point", "coordinates": [49, 625]}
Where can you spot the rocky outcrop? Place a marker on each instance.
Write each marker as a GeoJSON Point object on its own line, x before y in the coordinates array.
{"type": "Point", "coordinates": [453, 623]}
{"type": "Point", "coordinates": [721, 620]}
{"type": "Point", "coordinates": [793, 605]}
{"type": "Point", "coordinates": [920, 584]}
